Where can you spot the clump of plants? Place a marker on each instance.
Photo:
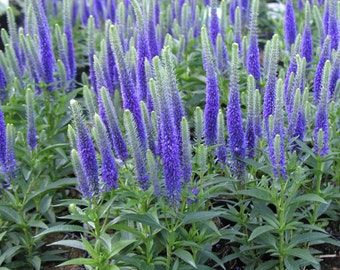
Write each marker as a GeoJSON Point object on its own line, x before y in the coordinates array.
{"type": "Point", "coordinates": [169, 134]}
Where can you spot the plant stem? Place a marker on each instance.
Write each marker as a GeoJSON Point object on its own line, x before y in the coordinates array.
{"type": "Point", "coordinates": [281, 216]}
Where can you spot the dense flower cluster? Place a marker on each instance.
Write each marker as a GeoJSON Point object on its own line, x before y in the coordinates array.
{"type": "Point", "coordinates": [136, 60]}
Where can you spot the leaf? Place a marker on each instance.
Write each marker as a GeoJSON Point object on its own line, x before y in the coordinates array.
{"type": "Point", "coordinates": [144, 219]}
{"type": "Point", "coordinates": [309, 198]}
{"type": "Point", "coordinates": [9, 214]}
{"type": "Point", "coordinates": [308, 237]}
{"type": "Point", "coordinates": [35, 262]}
{"type": "Point", "coordinates": [260, 230]}
{"type": "Point", "coordinates": [79, 261]}
{"type": "Point", "coordinates": [61, 229]}
{"type": "Point", "coordinates": [9, 253]}
{"type": "Point", "coordinates": [185, 256]}
{"type": "Point", "coordinates": [118, 246]}
{"type": "Point", "coordinates": [261, 194]}
{"type": "Point", "coordinates": [259, 166]}
{"type": "Point", "coordinates": [69, 243]}
{"type": "Point", "coordinates": [2, 235]}
{"type": "Point", "coordinates": [267, 265]}
{"type": "Point", "coordinates": [89, 248]}
{"type": "Point", "coordinates": [123, 227]}
{"type": "Point", "coordinates": [54, 185]}
{"type": "Point", "coordinates": [302, 254]}
{"type": "Point", "coordinates": [199, 216]}
{"type": "Point", "coordinates": [37, 224]}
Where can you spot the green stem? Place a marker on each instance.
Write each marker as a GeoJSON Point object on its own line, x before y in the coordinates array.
{"type": "Point", "coordinates": [320, 166]}
{"type": "Point", "coordinates": [281, 216]}
{"type": "Point", "coordinates": [28, 236]}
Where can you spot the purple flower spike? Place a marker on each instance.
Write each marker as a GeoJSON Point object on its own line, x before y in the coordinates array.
{"type": "Point", "coordinates": [238, 29]}
{"type": "Point", "coordinates": [321, 123]}
{"type": "Point", "coordinates": [115, 133]}
{"type": "Point", "coordinates": [79, 171]}
{"type": "Point", "coordinates": [11, 166]}
{"type": "Point", "coordinates": [177, 106]}
{"type": "Point", "coordinates": [130, 100]}
{"type": "Point", "coordinates": [278, 157]}
{"type": "Point", "coordinates": [324, 56]}
{"type": "Point", "coordinates": [333, 26]}
{"type": "Point", "coordinates": [234, 118]}
{"type": "Point", "coordinates": [3, 93]}
{"type": "Point", "coordinates": [2, 141]}
{"type": "Point", "coordinates": [85, 12]}
{"type": "Point", "coordinates": [232, 10]}
{"type": "Point", "coordinates": [250, 137]}
{"type": "Point", "coordinates": [214, 26]}
{"type": "Point", "coordinates": [300, 4]}
{"type": "Point", "coordinates": [138, 151]}
{"type": "Point", "coordinates": [68, 32]}
{"type": "Point", "coordinates": [108, 168]}
{"type": "Point", "coordinates": [112, 80]}
{"type": "Point", "coordinates": [212, 93]}
{"type": "Point", "coordinates": [289, 24]}
{"type": "Point", "coordinates": [253, 54]}
{"type": "Point", "coordinates": [91, 52]}
{"type": "Point", "coordinates": [307, 43]}
{"type": "Point", "coordinates": [186, 152]}
{"type": "Point", "coordinates": [45, 44]}
{"type": "Point", "coordinates": [86, 149]}
{"type": "Point", "coordinates": [299, 131]}
{"type": "Point", "coordinates": [142, 52]}
{"type": "Point", "coordinates": [335, 75]}
{"type": "Point", "coordinates": [151, 31]}
{"type": "Point", "coordinates": [169, 135]}
{"type": "Point", "coordinates": [326, 17]}
{"type": "Point", "coordinates": [221, 150]}
{"type": "Point", "coordinates": [13, 35]}
{"type": "Point", "coordinates": [269, 90]}
{"type": "Point", "coordinates": [221, 55]}
{"type": "Point", "coordinates": [170, 154]}
{"type": "Point", "coordinates": [30, 118]}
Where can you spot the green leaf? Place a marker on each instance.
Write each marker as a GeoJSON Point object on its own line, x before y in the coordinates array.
{"type": "Point", "coordinates": [267, 265]}
{"type": "Point", "coordinates": [79, 261]}
{"type": "Point", "coordinates": [260, 230]}
{"type": "Point", "coordinates": [9, 253]}
{"type": "Point", "coordinates": [54, 185]}
{"type": "Point", "coordinates": [37, 224]}
{"type": "Point", "coordinates": [309, 198]}
{"type": "Point", "coordinates": [35, 262]}
{"type": "Point", "coordinates": [118, 246]}
{"type": "Point", "coordinates": [303, 238]}
{"type": "Point", "coordinates": [61, 229]}
{"type": "Point", "coordinates": [2, 235]}
{"type": "Point", "coordinates": [89, 248]}
{"type": "Point", "coordinates": [127, 228]}
{"type": "Point", "coordinates": [144, 219]}
{"type": "Point", "coordinates": [9, 214]}
{"type": "Point", "coordinates": [185, 256]}
{"type": "Point", "coordinates": [302, 254]}
{"type": "Point", "coordinates": [199, 216]}
{"type": "Point", "coordinates": [69, 243]}
{"type": "Point", "coordinates": [261, 194]}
